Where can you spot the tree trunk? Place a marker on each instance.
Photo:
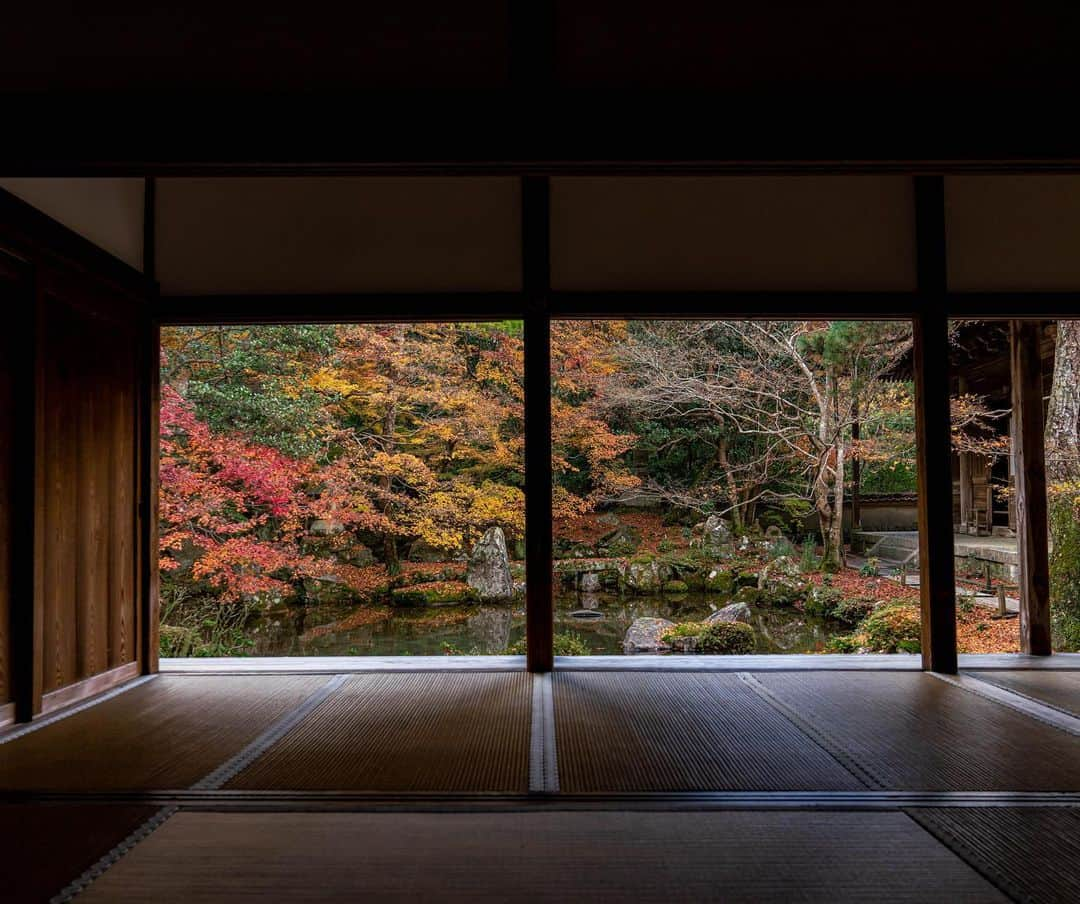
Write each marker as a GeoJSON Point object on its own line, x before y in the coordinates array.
{"type": "Point", "coordinates": [732, 486]}
{"type": "Point", "coordinates": [837, 541]}
{"type": "Point", "coordinates": [1063, 473]}
{"type": "Point", "coordinates": [1063, 412]}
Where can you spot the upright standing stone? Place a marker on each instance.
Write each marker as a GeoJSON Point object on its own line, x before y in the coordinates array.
{"type": "Point", "coordinates": [489, 567]}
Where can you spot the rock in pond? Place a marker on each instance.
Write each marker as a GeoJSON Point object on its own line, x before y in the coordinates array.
{"type": "Point", "coordinates": [643, 575]}
{"type": "Point", "coordinates": [590, 582]}
{"type": "Point", "coordinates": [783, 574]}
{"type": "Point", "coordinates": [735, 612]}
{"type": "Point", "coordinates": [643, 636]}
{"type": "Point", "coordinates": [489, 568]}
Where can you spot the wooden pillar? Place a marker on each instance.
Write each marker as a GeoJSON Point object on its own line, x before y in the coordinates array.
{"type": "Point", "coordinates": [539, 604]}
{"type": "Point", "coordinates": [937, 578]}
{"type": "Point", "coordinates": [1030, 474]}
{"type": "Point", "coordinates": [148, 616]}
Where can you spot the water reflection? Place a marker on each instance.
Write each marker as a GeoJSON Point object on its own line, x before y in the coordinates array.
{"type": "Point", "coordinates": [599, 619]}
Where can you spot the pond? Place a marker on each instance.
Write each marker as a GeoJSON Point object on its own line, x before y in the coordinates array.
{"type": "Point", "coordinates": [489, 630]}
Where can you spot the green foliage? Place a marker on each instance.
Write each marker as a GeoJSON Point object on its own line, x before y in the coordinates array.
{"type": "Point", "coordinates": [198, 625]}
{"type": "Point", "coordinates": [675, 586]}
{"type": "Point", "coordinates": [869, 568]}
{"type": "Point", "coordinates": [434, 593]}
{"type": "Point", "coordinates": [822, 601]}
{"type": "Point", "coordinates": [252, 380]}
{"type": "Point", "coordinates": [842, 643]}
{"type": "Point", "coordinates": [1065, 573]}
{"type": "Point", "coordinates": [853, 610]}
{"type": "Point", "coordinates": [727, 638]}
{"type": "Point", "coordinates": [809, 561]}
{"type": "Point", "coordinates": [566, 644]}
{"type": "Point", "coordinates": [894, 629]}
{"type": "Point", "coordinates": [780, 547]}
{"type": "Point", "coordinates": [683, 629]}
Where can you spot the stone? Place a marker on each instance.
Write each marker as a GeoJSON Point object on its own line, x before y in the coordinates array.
{"type": "Point", "coordinates": [715, 534]}
{"type": "Point", "coordinates": [326, 527]}
{"type": "Point", "coordinates": [781, 582]}
{"type": "Point", "coordinates": [488, 571]}
{"type": "Point", "coordinates": [736, 612]}
{"type": "Point", "coordinates": [624, 540]}
{"type": "Point", "coordinates": [782, 571]}
{"type": "Point", "coordinates": [326, 588]}
{"type": "Point", "coordinates": [359, 555]}
{"type": "Point", "coordinates": [590, 582]}
{"type": "Point", "coordinates": [643, 575]}
{"type": "Point", "coordinates": [643, 636]}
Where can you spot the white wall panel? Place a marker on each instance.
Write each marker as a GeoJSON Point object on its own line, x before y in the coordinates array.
{"type": "Point", "coordinates": [733, 233]}
{"type": "Point", "coordinates": [1013, 233]}
{"type": "Point", "coordinates": [294, 235]}
{"type": "Point", "coordinates": [108, 212]}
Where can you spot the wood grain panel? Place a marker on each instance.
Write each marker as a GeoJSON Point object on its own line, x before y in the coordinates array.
{"type": "Point", "coordinates": [89, 503]}
{"type": "Point", "coordinates": [8, 300]}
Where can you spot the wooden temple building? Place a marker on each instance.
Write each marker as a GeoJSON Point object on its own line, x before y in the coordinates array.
{"type": "Point", "coordinates": [284, 163]}
{"type": "Point", "coordinates": [984, 485]}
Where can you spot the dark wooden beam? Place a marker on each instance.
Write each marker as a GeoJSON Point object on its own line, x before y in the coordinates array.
{"type": "Point", "coordinates": [358, 307]}
{"type": "Point", "coordinates": [382, 307]}
{"type": "Point", "coordinates": [937, 578]}
{"type": "Point", "coordinates": [1025, 339]}
{"type": "Point", "coordinates": [536, 254]}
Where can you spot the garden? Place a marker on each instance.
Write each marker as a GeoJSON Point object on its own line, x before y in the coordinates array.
{"type": "Point", "coordinates": [358, 489]}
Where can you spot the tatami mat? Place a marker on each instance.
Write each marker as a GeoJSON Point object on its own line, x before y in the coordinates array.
{"type": "Point", "coordinates": [913, 732]}
{"type": "Point", "coordinates": [663, 731]}
{"type": "Point", "coordinates": [167, 733]}
{"type": "Point", "coordinates": [595, 857]}
{"type": "Point", "coordinates": [1059, 689]}
{"type": "Point", "coordinates": [1034, 854]}
{"type": "Point", "coordinates": [453, 731]}
{"type": "Point", "coordinates": [47, 846]}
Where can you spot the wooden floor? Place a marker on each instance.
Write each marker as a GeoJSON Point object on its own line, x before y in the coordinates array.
{"type": "Point", "coordinates": [482, 783]}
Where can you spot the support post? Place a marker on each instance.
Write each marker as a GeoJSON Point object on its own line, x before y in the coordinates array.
{"type": "Point", "coordinates": [937, 578]}
{"type": "Point", "coordinates": [1030, 473]}
{"type": "Point", "coordinates": [539, 604]}
{"type": "Point", "coordinates": [148, 395]}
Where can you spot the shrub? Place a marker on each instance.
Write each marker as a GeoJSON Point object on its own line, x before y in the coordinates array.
{"type": "Point", "coordinates": [870, 568]}
{"type": "Point", "coordinates": [566, 644]}
{"type": "Point", "coordinates": [434, 593]}
{"type": "Point", "coordinates": [177, 642]}
{"type": "Point", "coordinates": [894, 629]}
{"type": "Point", "coordinates": [730, 638]}
{"type": "Point", "coordinates": [844, 643]}
{"type": "Point", "coordinates": [853, 610]}
{"type": "Point", "coordinates": [683, 629]}
{"type": "Point", "coordinates": [781, 547]}
{"type": "Point", "coordinates": [823, 601]}
{"type": "Point", "coordinates": [809, 556]}
{"type": "Point", "coordinates": [719, 637]}
{"type": "Point", "coordinates": [675, 587]}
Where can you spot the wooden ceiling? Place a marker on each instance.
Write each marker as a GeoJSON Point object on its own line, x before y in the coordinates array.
{"type": "Point", "coordinates": [133, 87]}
